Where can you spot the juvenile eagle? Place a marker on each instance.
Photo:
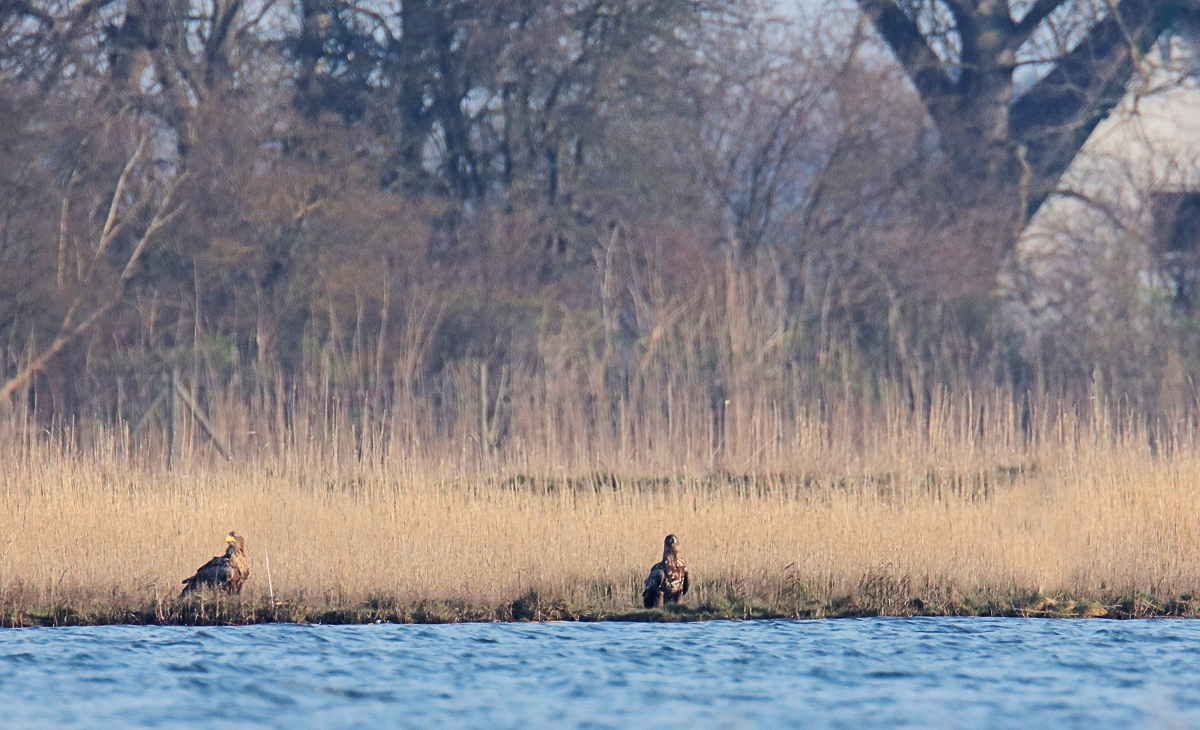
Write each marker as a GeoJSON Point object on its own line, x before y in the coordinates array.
{"type": "Point", "coordinates": [224, 573]}
{"type": "Point", "coordinates": [668, 579]}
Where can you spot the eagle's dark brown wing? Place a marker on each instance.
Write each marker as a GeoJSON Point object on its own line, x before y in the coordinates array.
{"type": "Point", "coordinates": [214, 563]}
{"type": "Point", "coordinates": [216, 573]}
{"type": "Point", "coordinates": [652, 594]}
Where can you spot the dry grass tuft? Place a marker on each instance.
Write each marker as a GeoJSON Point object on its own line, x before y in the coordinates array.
{"type": "Point", "coordinates": [893, 517]}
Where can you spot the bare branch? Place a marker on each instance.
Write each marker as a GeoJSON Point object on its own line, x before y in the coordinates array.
{"type": "Point", "coordinates": [20, 7]}
{"type": "Point", "coordinates": [1055, 117]}
{"type": "Point", "coordinates": [161, 219]}
{"type": "Point", "coordinates": [1039, 11]}
{"type": "Point", "coordinates": [56, 347]}
{"type": "Point", "coordinates": [919, 61]}
{"type": "Point", "coordinates": [69, 331]}
{"type": "Point", "coordinates": [106, 235]}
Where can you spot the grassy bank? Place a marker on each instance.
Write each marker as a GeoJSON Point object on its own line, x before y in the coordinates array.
{"type": "Point", "coordinates": [1083, 519]}
{"type": "Point", "coordinates": [80, 610]}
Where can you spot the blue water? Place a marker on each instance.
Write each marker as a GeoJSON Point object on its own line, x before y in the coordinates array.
{"type": "Point", "coordinates": [918, 673]}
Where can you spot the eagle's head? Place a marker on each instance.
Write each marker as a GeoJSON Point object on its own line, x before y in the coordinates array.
{"type": "Point", "coordinates": [670, 546]}
{"type": "Point", "coordinates": [235, 541]}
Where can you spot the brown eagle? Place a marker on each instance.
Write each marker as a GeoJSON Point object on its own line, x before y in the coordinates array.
{"type": "Point", "coordinates": [668, 580]}
{"type": "Point", "coordinates": [225, 573]}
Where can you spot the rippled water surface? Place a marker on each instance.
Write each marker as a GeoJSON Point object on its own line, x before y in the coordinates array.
{"type": "Point", "coordinates": [926, 673]}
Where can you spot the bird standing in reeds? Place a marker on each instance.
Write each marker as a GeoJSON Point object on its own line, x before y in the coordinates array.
{"type": "Point", "coordinates": [225, 573]}
{"type": "Point", "coordinates": [668, 579]}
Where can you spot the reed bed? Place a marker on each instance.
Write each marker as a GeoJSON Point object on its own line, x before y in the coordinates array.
{"type": "Point", "coordinates": [969, 506]}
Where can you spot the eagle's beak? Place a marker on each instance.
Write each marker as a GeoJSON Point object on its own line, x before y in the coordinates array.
{"type": "Point", "coordinates": [229, 538]}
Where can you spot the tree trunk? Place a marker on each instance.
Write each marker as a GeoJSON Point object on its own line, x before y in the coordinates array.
{"type": "Point", "coordinates": [1019, 148]}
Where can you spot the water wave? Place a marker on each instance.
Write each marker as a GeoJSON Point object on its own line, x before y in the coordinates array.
{"type": "Point", "coordinates": [908, 673]}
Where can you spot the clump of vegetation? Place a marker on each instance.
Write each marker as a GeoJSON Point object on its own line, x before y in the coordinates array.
{"type": "Point", "coordinates": [80, 610]}
{"type": "Point", "coordinates": [966, 511]}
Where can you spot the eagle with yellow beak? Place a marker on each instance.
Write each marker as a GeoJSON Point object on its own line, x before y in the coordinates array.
{"type": "Point", "coordinates": [225, 573]}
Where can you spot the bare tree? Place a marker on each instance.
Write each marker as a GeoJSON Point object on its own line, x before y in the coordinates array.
{"type": "Point", "coordinates": [963, 56]}
{"type": "Point", "coordinates": [93, 299]}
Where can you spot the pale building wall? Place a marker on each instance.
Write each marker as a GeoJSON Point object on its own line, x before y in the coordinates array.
{"type": "Point", "coordinates": [1081, 242]}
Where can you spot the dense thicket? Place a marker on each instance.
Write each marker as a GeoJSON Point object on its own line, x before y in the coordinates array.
{"type": "Point", "coordinates": [367, 197]}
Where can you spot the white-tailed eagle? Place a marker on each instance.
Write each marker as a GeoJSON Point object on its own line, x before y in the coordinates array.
{"type": "Point", "coordinates": [668, 579]}
{"type": "Point", "coordinates": [224, 573]}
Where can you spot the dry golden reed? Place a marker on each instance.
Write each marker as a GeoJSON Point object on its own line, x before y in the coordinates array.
{"type": "Point", "coordinates": [877, 505]}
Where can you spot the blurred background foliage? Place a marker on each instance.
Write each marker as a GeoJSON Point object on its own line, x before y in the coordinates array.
{"type": "Point", "coordinates": [374, 201]}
